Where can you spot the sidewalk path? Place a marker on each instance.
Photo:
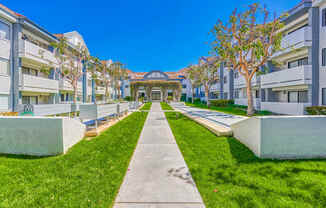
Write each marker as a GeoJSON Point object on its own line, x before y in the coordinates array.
{"type": "Point", "coordinates": [158, 176]}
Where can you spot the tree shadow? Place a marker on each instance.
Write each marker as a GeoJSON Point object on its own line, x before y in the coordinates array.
{"type": "Point", "coordinates": [25, 157]}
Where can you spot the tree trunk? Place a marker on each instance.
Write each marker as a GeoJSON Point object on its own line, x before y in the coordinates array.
{"type": "Point", "coordinates": [250, 110]}
{"type": "Point", "coordinates": [74, 85]}
{"type": "Point", "coordinates": [106, 95]}
{"type": "Point", "coordinates": [207, 98]}
{"type": "Point", "coordinates": [192, 94]}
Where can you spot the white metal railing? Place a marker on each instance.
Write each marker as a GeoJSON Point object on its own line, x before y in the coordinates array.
{"type": "Point", "coordinates": [30, 50]}
{"type": "Point", "coordinates": [35, 83]}
{"type": "Point", "coordinates": [47, 109]}
{"type": "Point", "coordinates": [65, 85]}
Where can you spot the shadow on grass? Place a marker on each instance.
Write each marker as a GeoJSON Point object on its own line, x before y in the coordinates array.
{"type": "Point", "coordinates": [25, 157]}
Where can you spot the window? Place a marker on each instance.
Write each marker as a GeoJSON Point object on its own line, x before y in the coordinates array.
{"type": "Point", "coordinates": [257, 94]}
{"type": "Point", "coordinates": [30, 100]}
{"type": "Point", "coordinates": [225, 96]}
{"type": "Point", "coordinates": [4, 31]}
{"type": "Point", "coordinates": [236, 94]}
{"type": "Point", "coordinates": [298, 96]}
{"type": "Point", "coordinates": [184, 86]}
{"type": "Point", "coordinates": [324, 17]}
{"type": "Point", "coordinates": [299, 62]}
{"type": "Point", "coordinates": [236, 75]}
{"type": "Point", "coordinates": [323, 57]}
{"type": "Point", "coordinates": [323, 96]}
{"type": "Point", "coordinates": [4, 67]}
{"type": "Point", "coordinates": [225, 80]}
{"type": "Point", "coordinates": [4, 100]}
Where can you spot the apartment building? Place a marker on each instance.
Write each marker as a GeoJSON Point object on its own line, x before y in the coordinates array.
{"type": "Point", "coordinates": [29, 73]}
{"type": "Point", "coordinates": [298, 80]}
{"type": "Point", "coordinates": [7, 19]}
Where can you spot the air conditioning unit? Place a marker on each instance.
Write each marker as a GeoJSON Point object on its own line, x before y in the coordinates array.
{"type": "Point", "coordinates": [2, 35]}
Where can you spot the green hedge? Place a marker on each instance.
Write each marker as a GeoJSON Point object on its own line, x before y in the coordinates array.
{"type": "Point", "coordinates": [221, 103]}
{"type": "Point", "coordinates": [316, 110]}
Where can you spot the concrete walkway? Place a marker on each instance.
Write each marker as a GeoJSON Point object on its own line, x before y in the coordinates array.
{"type": "Point", "coordinates": [158, 176]}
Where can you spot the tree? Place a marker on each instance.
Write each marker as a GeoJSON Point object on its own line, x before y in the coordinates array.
{"type": "Point", "coordinates": [193, 77]}
{"type": "Point", "coordinates": [71, 61]}
{"type": "Point", "coordinates": [95, 69]}
{"type": "Point", "coordinates": [106, 76]}
{"type": "Point", "coordinates": [207, 74]}
{"type": "Point", "coordinates": [118, 73]}
{"type": "Point", "coordinates": [245, 43]}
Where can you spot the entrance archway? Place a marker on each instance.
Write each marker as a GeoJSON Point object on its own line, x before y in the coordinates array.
{"type": "Point", "coordinates": [156, 95]}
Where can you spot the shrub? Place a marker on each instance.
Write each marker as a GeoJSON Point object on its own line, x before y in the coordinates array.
{"type": "Point", "coordinates": [127, 98]}
{"type": "Point", "coordinates": [189, 100]}
{"type": "Point", "coordinates": [221, 103]}
{"type": "Point", "coordinates": [170, 98]}
{"type": "Point", "coordinates": [316, 110]}
{"type": "Point", "coordinates": [197, 101]}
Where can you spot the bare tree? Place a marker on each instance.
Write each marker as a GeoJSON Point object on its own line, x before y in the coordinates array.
{"type": "Point", "coordinates": [246, 43]}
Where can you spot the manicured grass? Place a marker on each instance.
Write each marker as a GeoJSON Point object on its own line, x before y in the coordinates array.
{"type": "Point", "coordinates": [166, 106]}
{"type": "Point", "coordinates": [89, 175]}
{"type": "Point", "coordinates": [231, 109]}
{"type": "Point", "coordinates": [229, 175]}
{"type": "Point", "coordinates": [146, 106]}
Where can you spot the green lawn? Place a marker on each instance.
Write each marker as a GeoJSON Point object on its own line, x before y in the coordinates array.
{"type": "Point", "coordinates": [89, 175]}
{"type": "Point", "coordinates": [146, 106]}
{"type": "Point", "coordinates": [231, 109]}
{"type": "Point", "coordinates": [229, 175]}
{"type": "Point", "coordinates": [166, 106]}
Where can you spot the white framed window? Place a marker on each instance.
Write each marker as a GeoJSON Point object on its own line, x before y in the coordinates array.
{"type": "Point", "coordinates": [4, 102]}
{"type": "Point", "coordinates": [4, 67]}
{"type": "Point", "coordinates": [4, 31]}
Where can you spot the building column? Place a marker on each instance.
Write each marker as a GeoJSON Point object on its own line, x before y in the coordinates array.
{"type": "Point", "coordinates": [221, 81]}
{"type": "Point", "coordinates": [314, 53]}
{"type": "Point", "coordinates": [93, 91]}
{"type": "Point", "coordinates": [231, 84]}
{"type": "Point", "coordinates": [84, 83]}
{"type": "Point", "coordinates": [16, 66]}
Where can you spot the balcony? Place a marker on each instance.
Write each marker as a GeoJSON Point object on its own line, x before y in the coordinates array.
{"type": "Point", "coordinates": [65, 85]}
{"type": "Point", "coordinates": [31, 51]}
{"type": "Point", "coordinates": [100, 90]}
{"type": "Point", "coordinates": [38, 84]}
{"type": "Point", "coordinates": [296, 40]}
{"type": "Point", "coordinates": [244, 102]}
{"type": "Point", "coordinates": [300, 75]}
{"type": "Point", "coordinates": [5, 49]}
{"type": "Point", "coordinates": [285, 108]}
{"type": "Point", "coordinates": [240, 82]}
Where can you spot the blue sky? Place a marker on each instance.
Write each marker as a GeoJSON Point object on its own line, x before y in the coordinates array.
{"type": "Point", "coordinates": [145, 35]}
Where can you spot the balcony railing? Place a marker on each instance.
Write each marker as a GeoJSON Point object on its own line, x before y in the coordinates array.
{"type": "Point", "coordinates": [38, 84]}
{"type": "Point", "coordinates": [32, 51]}
{"type": "Point", "coordinates": [285, 108]}
{"type": "Point", "coordinates": [296, 40]}
{"type": "Point", "coordinates": [100, 90]}
{"type": "Point", "coordinates": [65, 85]}
{"type": "Point", "coordinates": [240, 82]}
{"type": "Point", "coordinates": [288, 77]}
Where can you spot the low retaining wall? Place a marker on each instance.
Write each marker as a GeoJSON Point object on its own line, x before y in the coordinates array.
{"type": "Point", "coordinates": [283, 137]}
{"type": "Point", "coordinates": [39, 136]}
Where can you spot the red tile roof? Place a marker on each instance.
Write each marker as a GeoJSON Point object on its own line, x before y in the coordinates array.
{"type": "Point", "coordinates": [10, 11]}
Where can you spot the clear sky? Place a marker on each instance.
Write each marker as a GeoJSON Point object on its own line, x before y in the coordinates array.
{"type": "Point", "coordinates": [145, 35]}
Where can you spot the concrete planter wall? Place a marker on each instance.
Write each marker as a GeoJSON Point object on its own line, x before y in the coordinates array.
{"type": "Point", "coordinates": [94, 111]}
{"type": "Point", "coordinates": [283, 137]}
{"type": "Point", "coordinates": [123, 107]}
{"type": "Point", "coordinates": [39, 136]}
